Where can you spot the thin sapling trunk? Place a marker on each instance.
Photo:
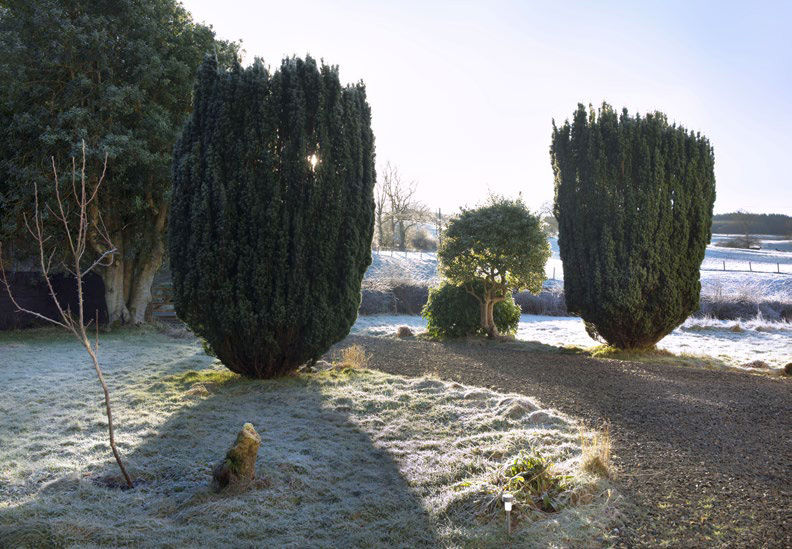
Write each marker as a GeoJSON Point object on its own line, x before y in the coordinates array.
{"type": "Point", "coordinates": [76, 227]}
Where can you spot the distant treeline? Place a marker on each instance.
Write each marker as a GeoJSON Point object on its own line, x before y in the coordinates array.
{"type": "Point", "coordinates": [748, 223]}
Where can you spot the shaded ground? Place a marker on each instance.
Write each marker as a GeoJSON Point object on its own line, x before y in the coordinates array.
{"type": "Point", "coordinates": [704, 456]}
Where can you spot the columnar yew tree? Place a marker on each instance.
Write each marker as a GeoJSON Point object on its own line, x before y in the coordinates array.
{"type": "Point", "coordinates": [492, 251]}
{"type": "Point", "coordinates": [272, 212]}
{"type": "Point", "coordinates": [633, 198]}
{"type": "Point", "coordinates": [116, 74]}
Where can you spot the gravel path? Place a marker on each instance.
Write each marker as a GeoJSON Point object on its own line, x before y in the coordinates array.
{"type": "Point", "coordinates": [704, 457]}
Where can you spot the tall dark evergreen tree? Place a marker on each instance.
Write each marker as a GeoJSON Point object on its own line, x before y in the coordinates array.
{"type": "Point", "coordinates": [272, 212]}
{"type": "Point", "coordinates": [633, 199]}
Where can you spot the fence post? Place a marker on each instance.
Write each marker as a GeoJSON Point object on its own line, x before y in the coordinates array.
{"type": "Point", "coordinates": [778, 268]}
{"type": "Point", "coordinates": [724, 265]}
{"type": "Point", "coordinates": [750, 268]}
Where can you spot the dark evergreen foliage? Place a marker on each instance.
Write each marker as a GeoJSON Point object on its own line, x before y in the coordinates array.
{"type": "Point", "coordinates": [633, 198]}
{"type": "Point", "coordinates": [268, 249]}
{"type": "Point", "coordinates": [452, 311]}
{"type": "Point", "coordinates": [116, 74]}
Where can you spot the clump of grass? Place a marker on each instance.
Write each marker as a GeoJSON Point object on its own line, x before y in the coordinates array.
{"type": "Point", "coordinates": [353, 356]}
{"type": "Point", "coordinates": [209, 376]}
{"type": "Point", "coordinates": [596, 452]}
{"type": "Point", "coordinates": [608, 351]}
{"type": "Point", "coordinates": [531, 478]}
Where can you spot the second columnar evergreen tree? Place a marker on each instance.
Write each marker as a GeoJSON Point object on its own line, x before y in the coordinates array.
{"type": "Point", "coordinates": [272, 213]}
{"type": "Point", "coordinates": [633, 198]}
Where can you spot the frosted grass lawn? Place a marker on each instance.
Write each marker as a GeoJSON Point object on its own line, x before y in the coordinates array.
{"type": "Point", "coordinates": [348, 457]}
{"type": "Point", "coordinates": [734, 342]}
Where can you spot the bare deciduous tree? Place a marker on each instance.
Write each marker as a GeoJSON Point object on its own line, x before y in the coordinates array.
{"type": "Point", "coordinates": [405, 211]}
{"type": "Point", "coordinates": [79, 229]}
{"type": "Point", "coordinates": [381, 193]}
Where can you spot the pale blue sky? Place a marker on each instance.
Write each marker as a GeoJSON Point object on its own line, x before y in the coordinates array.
{"type": "Point", "coordinates": [463, 93]}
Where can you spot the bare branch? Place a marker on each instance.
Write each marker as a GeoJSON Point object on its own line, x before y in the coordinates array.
{"type": "Point", "coordinates": [100, 261]}
{"type": "Point", "coordinates": [20, 308]}
{"type": "Point", "coordinates": [78, 240]}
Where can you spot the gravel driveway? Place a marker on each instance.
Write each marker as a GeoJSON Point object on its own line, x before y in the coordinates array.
{"type": "Point", "coordinates": [704, 457]}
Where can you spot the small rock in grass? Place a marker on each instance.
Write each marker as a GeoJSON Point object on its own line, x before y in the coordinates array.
{"type": "Point", "coordinates": [239, 465]}
{"type": "Point", "coordinates": [404, 331]}
{"type": "Point", "coordinates": [756, 364]}
{"type": "Point", "coordinates": [198, 390]}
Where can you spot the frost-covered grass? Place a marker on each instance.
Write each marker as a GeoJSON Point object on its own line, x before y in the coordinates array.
{"type": "Point", "coordinates": [732, 342]}
{"type": "Point", "coordinates": [349, 457]}
{"type": "Point", "coordinates": [417, 267]}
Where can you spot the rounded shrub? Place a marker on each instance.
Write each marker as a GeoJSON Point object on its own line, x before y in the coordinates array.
{"type": "Point", "coordinates": [452, 312]}
{"type": "Point", "coordinates": [272, 213]}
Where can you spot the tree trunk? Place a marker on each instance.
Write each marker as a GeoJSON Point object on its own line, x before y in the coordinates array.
{"type": "Point", "coordinates": [141, 288]}
{"type": "Point", "coordinates": [128, 279]}
{"type": "Point", "coordinates": [488, 316]}
{"type": "Point", "coordinates": [113, 277]}
{"type": "Point", "coordinates": [492, 330]}
{"type": "Point", "coordinates": [402, 236]}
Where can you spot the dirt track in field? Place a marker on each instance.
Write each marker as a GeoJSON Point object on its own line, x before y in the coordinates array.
{"type": "Point", "coordinates": [704, 457]}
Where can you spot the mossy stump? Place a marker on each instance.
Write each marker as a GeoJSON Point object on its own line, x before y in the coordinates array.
{"type": "Point", "coordinates": [239, 465]}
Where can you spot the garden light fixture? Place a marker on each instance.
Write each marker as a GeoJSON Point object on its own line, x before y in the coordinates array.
{"type": "Point", "coordinates": [507, 499]}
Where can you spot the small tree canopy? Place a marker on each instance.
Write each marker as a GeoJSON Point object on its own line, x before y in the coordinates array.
{"type": "Point", "coordinates": [501, 246]}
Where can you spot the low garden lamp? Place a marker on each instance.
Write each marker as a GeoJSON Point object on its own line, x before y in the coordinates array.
{"type": "Point", "coordinates": [507, 499]}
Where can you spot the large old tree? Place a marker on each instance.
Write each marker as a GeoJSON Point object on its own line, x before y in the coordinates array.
{"type": "Point", "coordinates": [117, 74]}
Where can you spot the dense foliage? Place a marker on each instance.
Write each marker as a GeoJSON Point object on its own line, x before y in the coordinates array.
{"type": "Point", "coordinates": [272, 213]}
{"type": "Point", "coordinates": [452, 311]}
{"type": "Point", "coordinates": [633, 198]}
{"type": "Point", "coordinates": [747, 223]}
{"type": "Point", "coordinates": [117, 74]}
{"type": "Point", "coordinates": [501, 248]}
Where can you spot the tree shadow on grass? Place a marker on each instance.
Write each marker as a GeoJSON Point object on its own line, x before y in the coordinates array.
{"type": "Point", "coordinates": [320, 479]}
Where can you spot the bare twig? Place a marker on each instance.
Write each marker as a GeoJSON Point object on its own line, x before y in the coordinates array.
{"type": "Point", "coordinates": [78, 240]}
